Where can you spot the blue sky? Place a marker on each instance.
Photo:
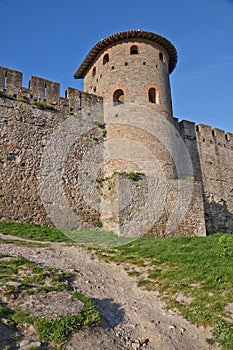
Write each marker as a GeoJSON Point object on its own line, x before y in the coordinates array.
{"type": "Point", "coordinates": [49, 39]}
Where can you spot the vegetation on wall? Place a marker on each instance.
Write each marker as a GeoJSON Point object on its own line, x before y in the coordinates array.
{"type": "Point", "coordinates": [25, 99]}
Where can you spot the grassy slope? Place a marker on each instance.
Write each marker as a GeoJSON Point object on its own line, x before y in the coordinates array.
{"type": "Point", "coordinates": [199, 268]}
{"type": "Point", "coordinates": [34, 232]}
{"type": "Point", "coordinates": [47, 234]}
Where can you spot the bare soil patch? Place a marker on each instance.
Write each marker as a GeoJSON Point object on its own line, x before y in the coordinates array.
{"type": "Point", "coordinates": [132, 318]}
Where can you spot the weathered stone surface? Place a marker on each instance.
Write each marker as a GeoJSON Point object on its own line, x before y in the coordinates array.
{"type": "Point", "coordinates": [61, 166]}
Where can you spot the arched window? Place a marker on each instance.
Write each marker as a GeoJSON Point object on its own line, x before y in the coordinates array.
{"type": "Point", "coordinates": [118, 97]}
{"type": "Point", "coordinates": [94, 71]}
{"type": "Point", "coordinates": [152, 95]}
{"type": "Point", "coordinates": [161, 56]}
{"type": "Point", "coordinates": [106, 58]}
{"type": "Point", "coordinates": [134, 50]}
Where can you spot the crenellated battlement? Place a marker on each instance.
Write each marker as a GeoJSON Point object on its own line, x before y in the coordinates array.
{"type": "Point", "coordinates": [38, 89]}
{"type": "Point", "coordinates": [10, 81]}
{"type": "Point", "coordinates": [44, 91]}
{"type": "Point", "coordinates": [215, 136]}
{"type": "Point", "coordinates": [204, 133]}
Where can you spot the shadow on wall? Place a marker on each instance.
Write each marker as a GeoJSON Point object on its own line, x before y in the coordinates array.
{"type": "Point", "coordinates": [217, 216]}
{"type": "Point", "coordinates": [112, 312]}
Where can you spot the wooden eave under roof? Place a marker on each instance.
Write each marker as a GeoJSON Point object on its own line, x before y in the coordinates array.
{"type": "Point", "coordinates": [133, 34]}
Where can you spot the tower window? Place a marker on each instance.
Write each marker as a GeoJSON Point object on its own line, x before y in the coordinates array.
{"type": "Point", "coordinates": [118, 97]}
{"type": "Point", "coordinates": [133, 50]}
{"type": "Point", "coordinates": [94, 71]}
{"type": "Point", "coordinates": [161, 56]}
{"type": "Point", "coordinates": [152, 95]}
{"type": "Point", "coordinates": [106, 58]}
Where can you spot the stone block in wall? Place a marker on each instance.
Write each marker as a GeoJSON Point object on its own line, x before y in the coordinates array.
{"type": "Point", "coordinates": [89, 106]}
{"type": "Point", "coordinates": [204, 132]}
{"type": "Point", "coordinates": [44, 90]}
{"type": "Point", "coordinates": [219, 136]}
{"type": "Point", "coordinates": [10, 81]}
{"type": "Point", "coordinates": [229, 139]}
{"type": "Point", "coordinates": [74, 98]}
{"type": "Point", "coordinates": [176, 123]}
{"type": "Point", "coordinates": [2, 78]}
{"type": "Point", "coordinates": [187, 129]}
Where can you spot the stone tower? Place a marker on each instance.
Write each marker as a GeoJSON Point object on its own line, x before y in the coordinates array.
{"type": "Point", "coordinates": [130, 70]}
{"type": "Point", "coordinates": [130, 67]}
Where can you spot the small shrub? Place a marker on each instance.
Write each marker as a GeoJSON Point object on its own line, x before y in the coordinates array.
{"type": "Point", "coordinates": [99, 224]}
{"type": "Point", "coordinates": [5, 95]}
{"type": "Point", "coordinates": [44, 105]}
{"type": "Point", "coordinates": [99, 123]}
{"type": "Point", "coordinates": [23, 99]}
{"type": "Point", "coordinates": [133, 176]}
{"type": "Point", "coordinates": [190, 178]}
{"type": "Point", "coordinates": [104, 133]}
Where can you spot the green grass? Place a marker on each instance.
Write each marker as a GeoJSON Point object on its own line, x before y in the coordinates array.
{"type": "Point", "coordinates": [56, 331]}
{"type": "Point", "coordinates": [36, 279]}
{"type": "Point", "coordinates": [98, 238]}
{"type": "Point", "coordinates": [47, 234]}
{"type": "Point", "coordinates": [198, 268]}
{"type": "Point", "coordinates": [30, 275]}
{"type": "Point", "coordinates": [34, 232]}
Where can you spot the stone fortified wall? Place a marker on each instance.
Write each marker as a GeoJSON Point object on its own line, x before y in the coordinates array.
{"type": "Point", "coordinates": [216, 155]}
{"type": "Point", "coordinates": [29, 117]}
{"type": "Point", "coordinates": [211, 150]}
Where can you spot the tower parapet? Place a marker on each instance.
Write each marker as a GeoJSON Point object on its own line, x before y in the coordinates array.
{"type": "Point", "coordinates": [131, 67]}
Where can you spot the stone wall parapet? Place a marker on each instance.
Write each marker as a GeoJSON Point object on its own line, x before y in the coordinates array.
{"type": "Point", "coordinates": [216, 136]}
{"type": "Point", "coordinates": [43, 91]}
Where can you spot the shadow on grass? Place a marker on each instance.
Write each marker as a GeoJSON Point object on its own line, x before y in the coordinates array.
{"type": "Point", "coordinates": [100, 239]}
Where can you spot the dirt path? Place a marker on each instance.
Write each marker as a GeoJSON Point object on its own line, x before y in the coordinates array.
{"type": "Point", "coordinates": [130, 313]}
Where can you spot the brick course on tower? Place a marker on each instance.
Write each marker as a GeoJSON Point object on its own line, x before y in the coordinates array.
{"type": "Point", "coordinates": [131, 167]}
